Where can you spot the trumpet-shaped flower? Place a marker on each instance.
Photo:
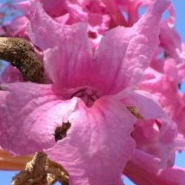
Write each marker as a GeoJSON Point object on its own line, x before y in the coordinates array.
{"type": "Point", "coordinates": [143, 165]}
{"type": "Point", "coordinates": [78, 119]}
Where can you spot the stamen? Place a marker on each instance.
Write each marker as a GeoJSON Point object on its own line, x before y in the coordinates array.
{"type": "Point", "coordinates": [134, 111]}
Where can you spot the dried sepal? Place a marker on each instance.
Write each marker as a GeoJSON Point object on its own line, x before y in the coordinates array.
{"type": "Point", "coordinates": [41, 171]}
{"type": "Point", "coordinates": [21, 54]}
{"type": "Point", "coordinates": [56, 172]}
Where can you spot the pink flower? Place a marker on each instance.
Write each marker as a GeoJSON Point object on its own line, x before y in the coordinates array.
{"type": "Point", "coordinates": [65, 12]}
{"type": "Point", "coordinates": [9, 11]}
{"type": "Point", "coordinates": [154, 133]}
{"type": "Point", "coordinates": [170, 39]}
{"type": "Point", "coordinates": [78, 120]}
{"type": "Point", "coordinates": [164, 86]}
{"type": "Point", "coordinates": [145, 169]}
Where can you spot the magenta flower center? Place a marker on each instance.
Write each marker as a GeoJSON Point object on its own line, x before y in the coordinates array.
{"type": "Point", "coordinates": [87, 94]}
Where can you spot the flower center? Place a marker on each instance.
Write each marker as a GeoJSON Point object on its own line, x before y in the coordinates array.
{"type": "Point", "coordinates": [88, 95]}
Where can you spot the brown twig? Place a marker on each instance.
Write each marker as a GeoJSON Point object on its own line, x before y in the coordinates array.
{"type": "Point", "coordinates": [21, 54]}
{"type": "Point", "coordinates": [41, 171]}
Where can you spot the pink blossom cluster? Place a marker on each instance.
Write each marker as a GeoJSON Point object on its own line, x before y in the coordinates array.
{"type": "Point", "coordinates": [113, 76]}
{"type": "Point", "coordinates": [8, 11]}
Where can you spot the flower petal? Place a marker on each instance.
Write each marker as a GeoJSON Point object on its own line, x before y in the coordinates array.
{"type": "Point", "coordinates": [170, 40]}
{"type": "Point", "coordinates": [145, 169]}
{"type": "Point", "coordinates": [97, 145]}
{"type": "Point", "coordinates": [68, 57]}
{"type": "Point", "coordinates": [10, 74]}
{"type": "Point", "coordinates": [154, 131]}
{"type": "Point", "coordinates": [69, 65]}
{"type": "Point", "coordinates": [30, 115]}
{"type": "Point", "coordinates": [145, 103]}
{"type": "Point", "coordinates": [42, 27]}
{"type": "Point", "coordinates": [124, 53]}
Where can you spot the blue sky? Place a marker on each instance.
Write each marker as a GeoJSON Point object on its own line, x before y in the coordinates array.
{"type": "Point", "coordinates": [180, 21]}
{"type": "Point", "coordinates": [5, 177]}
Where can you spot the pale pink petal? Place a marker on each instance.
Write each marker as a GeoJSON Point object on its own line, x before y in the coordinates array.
{"type": "Point", "coordinates": [150, 136]}
{"type": "Point", "coordinates": [10, 74]}
{"type": "Point", "coordinates": [171, 70]}
{"type": "Point", "coordinates": [127, 52]}
{"type": "Point", "coordinates": [179, 119]}
{"type": "Point", "coordinates": [146, 170]}
{"type": "Point", "coordinates": [24, 6]}
{"type": "Point", "coordinates": [115, 13]}
{"type": "Point", "coordinates": [68, 62]}
{"type": "Point", "coordinates": [17, 27]}
{"type": "Point", "coordinates": [77, 13]}
{"type": "Point", "coordinates": [145, 103]}
{"type": "Point", "coordinates": [29, 116]}
{"type": "Point", "coordinates": [181, 70]}
{"type": "Point", "coordinates": [42, 29]}
{"type": "Point", "coordinates": [98, 24]}
{"type": "Point", "coordinates": [172, 15]}
{"type": "Point", "coordinates": [97, 145]}
{"type": "Point", "coordinates": [71, 59]}
{"type": "Point", "coordinates": [54, 8]}
{"type": "Point", "coordinates": [92, 6]}
{"type": "Point", "coordinates": [165, 90]}
{"type": "Point", "coordinates": [176, 174]}
{"type": "Point", "coordinates": [170, 40]}
{"type": "Point", "coordinates": [154, 132]}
